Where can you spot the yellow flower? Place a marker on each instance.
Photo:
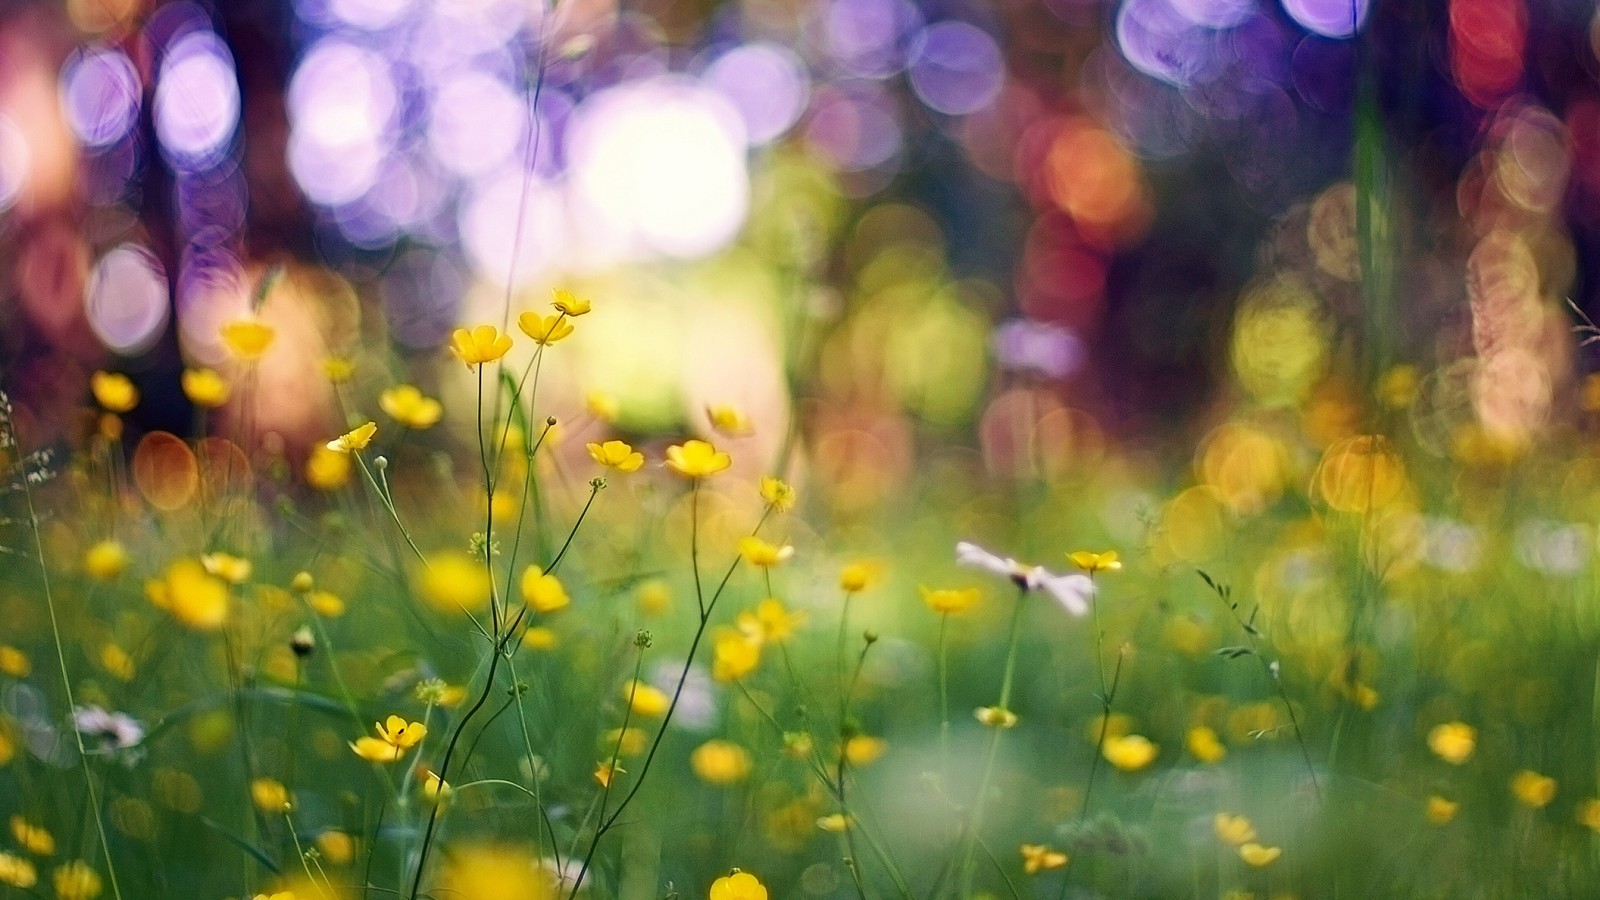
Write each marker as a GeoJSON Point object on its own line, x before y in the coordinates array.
{"type": "Point", "coordinates": [729, 420]}
{"type": "Point", "coordinates": [543, 593]}
{"type": "Point", "coordinates": [453, 582]}
{"type": "Point", "coordinates": [106, 560]}
{"type": "Point", "coordinates": [407, 405]}
{"type": "Point", "coordinates": [996, 717]}
{"type": "Point", "coordinates": [1204, 744]}
{"type": "Point", "coordinates": [616, 455]}
{"type": "Point", "coordinates": [276, 895]}
{"type": "Point", "coordinates": [1533, 790]}
{"type": "Point", "coordinates": [697, 459]}
{"type": "Point", "coordinates": [568, 303]}
{"type": "Point", "coordinates": [482, 344]}
{"type": "Point", "coordinates": [192, 595]}
{"type": "Point", "coordinates": [602, 406]}
{"type": "Point", "coordinates": [770, 622]}
{"type": "Point", "coordinates": [395, 737]}
{"type": "Point", "coordinates": [434, 787]}
{"type": "Point", "coordinates": [720, 762]}
{"type": "Point", "coordinates": [544, 330]}
{"type": "Point", "coordinates": [540, 638]}
{"type": "Point", "coordinates": [269, 795]}
{"type": "Point", "coordinates": [734, 655]}
{"type": "Point", "coordinates": [1257, 855]}
{"type": "Point", "coordinates": [34, 838]}
{"type": "Point", "coordinates": [1453, 742]}
{"type": "Point", "coordinates": [629, 742]}
{"type": "Point", "coordinates": [1038, 858]}
{"type": "Point", "coordinates": [1095, 562]}
{"type": "Point", "coordinates": [326, 604]}
{"type": "Point", "coordinates": [76, 881]}
{"type": "Point", "coordinates": [494, 872]}
{"type": "Point", "coordinates": [761, 554]}
{"type": "Point", "coordinates": [1130, 753]}
{"type": "Point", "coordinates": [738, 886]}
{"type": "Point", "coordinates": [336, 847]}
{"type": "Point", "coordinates": [1441, 811]}
{"type": "Point", "coordinates": [855, 577]}
{"type": "Point", "coordinates": [114, 391]}
{"type": "Point", "coordinates": [328, 470]}
{"type": "Point", "coordinates": [14, 662]}
{"type": "Point", "coordinates": [117, 662]}
{"type": "Point", "coordinates": [778, 494]}
{"type": "Point", "coordinates": [646, 699]}
{"type": "Point", "coordinates": [204, 388]}
{"type": "Point", "coordinates": [1233, 829]}
{"type": "Point", "coordinates": [230, 568]}
{"type": "Point", "coordinates": [355, 439]}
{"type": "Point", "coordinates": [17, 872]}
{"type": "Point", "coordinates": [338, 369]}
{"type": "Point", "coordinates": [947, 601]}
{"type": "Point", "coordinates": [247, 339]}
{"type": "Point", "coordinates": [864, 749]}
{"type": "Point", "coordinates": [838, 823]}
{"type": "Point", "coordinates": [605, 772]}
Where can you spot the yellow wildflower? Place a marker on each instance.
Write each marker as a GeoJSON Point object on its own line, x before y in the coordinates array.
{"type": "Point", "coordinates": [602, 406]}
{"type": "Point", "coordinates": [17, 872]}
{"type": "Point", "coordinates": [1204, 745]}
{"type": "Point", "coordinates": [328, 470]}
{"type": "Point", "coordinates": [326, 604]}
{"type": "Point", "coordinates": [336, 847]}
{"type": "Point", "coordinates": [117, 662]}
{"type": "Point", "coordinates": [540, 638]}
{"type": "Point", "coordinates": [1131, 752]}
{"type": "Point", "coordinates": [269, 795]}
{"type": "Point", "coordinates": [1095, 562]}
{"type": "Point", "coordinates": [855, 577]}
{"type": "Point", "coordinates": [605, 772]}
{"type": "Point", "coordinates": [114, 391]}
{"type": "Point", "coordinates": [230, 568]}
{"type": "Point", "coordinates": [14, 662]}
{"type": "Point", "coordinates": [192, 595]}
{"type": "Point", "coordinates": [434, 787]}
{"type": "Point", "coordinates": [338, 369]}
{"type": "Point", "coordinates": [697, 459]}
{"type": "Point", "coordinates": [778, 494]}
{"type": "Point", "coordinates": [247, 339]}
{"type": "Point", "coordinates": [769, 622]}
{"type": "Point", "coordinates": [734, 655]}
{"type": "Point", "coordinates": [482, 344]}
{"type": "Point", "coordinates": [1038, 858]}
{"type": "Point", "coordinates": [454, 581]}
{"type": "Point", "coordinates": [395, 737]}
{"type": "Point", "coordinates": [646, 699]}
{"type": "Point", "coordinates": [355, 439]}
{"type": "Point", "coordinates": [204, 388]}
{"type": "Point", "coordinates": [720, 762]}
{"type": "Point", "coordinates": [1235, 830]}
{"type": "Point", "coordinates": [761, 554]}
{"type": "Point", "coordinates": [628, 742]}
{"type": "Point", "coordinates": [1453, 742]}
{"type": "Point", "coordinates": [1257, 855]}
{"type": "Point", "coordinates": [729, 420]}
{"type": "Point", "coordinates": [35, 839]}
{"type": "Point", "coordinates": [996, 717]}
{"type": "Point", "coordinates": [616, 455]}
{"type": "Point", "coordinates": [544, 330]}
{"type": "Point", "coordinates": [947, 601]}
{"type": "Point", "coordinates": [106, 559]}
{"type": "Point", "coordinates": [738, 886]}
{"type": "Point", "coordinates": [76, 881]}
{"type": "Point", "coordinates": [1441, 811]}
{"type": "Point", "coordinates": [838, 823]}
{"type": "Point", "coordinates": [1533, 790]}
{"type": "Point", "coordinates": [406, 404]}
{"type": "Point", "coordinates": [864, 749]}
{"type": "Point", "coordinates": [543, 592]}
{"type": "Point", "coordinates": [570, 304]}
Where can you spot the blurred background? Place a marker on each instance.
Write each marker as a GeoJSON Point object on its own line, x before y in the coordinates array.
{"type": "Point", "coordinates": [922, 217]}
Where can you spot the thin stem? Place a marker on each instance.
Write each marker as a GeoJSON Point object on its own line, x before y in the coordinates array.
{"type": "Point", "coordinates": [975, 820]}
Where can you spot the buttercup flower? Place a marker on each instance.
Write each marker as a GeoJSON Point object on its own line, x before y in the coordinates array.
{"type": "Point", "coordinates": [616, 455]}
{"type": "Point", "coordinates": [248, 339]}
{"type": "Point", "coordinates": [338, 369]}
{"type": "Point", "coordinates": [1453, 742]}
{"type": "Point", "coordinates": [395, 737]}
{"type": "Point", "coordinates": [738, 886]}
{"type": "Point", "coordinates": [356, 439]}
{"type": "Point", "coordinates": [646, 699]}
{"type": "Point", "coordinates": [544, 329]}
{"type": "Point", "coordinates": [195, 597]}
{"type": "Point", "coordinates": [1232, 829]}
{"type": "Point", "coordinates": [729, 420]}
{"type": "Point", "coordinates": [1440, 811]}
{"type": "Point", "coordinates": [778, 494]}
{"type": "Point", "coordinates": [762, 554]}
{"type": "Point", "coordinates": [1037, 858]}
{"type": "Point", "coordinates": [204, 388]}
{"type": "Point", "coordinates": [406, 404]}
{"type": "Point", "coordinates": [769, 622]}
{"type": "Point", "coordinates": [948, 601]}
{"type": "Point", "coordinates": [996, 716]}
{"type": "Point", "coordinates": [106, 559]}
{"type": "Point", "coordinates": [269, 795]}
{"type": "Point", "coordinates": [1131, 752]}
{"type": "Point", "coordinates": [602, 406]}
{"type": "Point", "coordinates": [76, 881]}
{"type": "Point", "coordinates": [543, 592]}
{"type": "Point", "coordinates": [17, 872]}
{"type": "Point", "coordinates": [482, 344]}
{"type": "Point", "coordinates": [1257, 855]}
{"type": "Point", "coordinates": [1071, 591]}
{"type": "Point", "coordinates": [114, 391]}
{"type": "Point", "coordinates": [697, 459]}
{"type": "Point", "coordinates": [1533, 790]}
{"type": "Point", "coordinates": [855, 577]}
{"type": "Point", "coordinates": [33, 838]}
{"type": "Point", "coordinates": [1204, 745]}
{"type": "Point", "coordinates": [720, 762]}
{"type": "Point", "coordinates": [1095, 562]}
{"type": "Point", "coordinates": [568, 303]}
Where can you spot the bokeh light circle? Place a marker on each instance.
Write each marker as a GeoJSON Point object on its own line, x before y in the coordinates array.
{"type": "Point", "coordinates": [342, 102]}
{"type": "Point", "coordinates": [1329, 18]}
{"type": "Point", "coordinates": [196, 101]}
{"type": "Point", "coordinates": [100, 94]}
{"type": "Point", "coordinates": [126, 299]}
{"type": "Point", "coordinates": [14, 162]}
{"type": "Point", "coordinates": [956, 67]}
{"type": "Point", "coordinates": [766, 83]}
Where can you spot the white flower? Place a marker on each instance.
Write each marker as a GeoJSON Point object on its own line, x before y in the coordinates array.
{"type": "Point", "coordinates": [116, 731]}
{"type": "Point", "coordinates": [1071, 591]}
